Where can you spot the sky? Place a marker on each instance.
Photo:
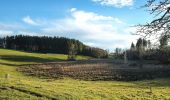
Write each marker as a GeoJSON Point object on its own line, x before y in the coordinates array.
{"type": "Point", "coordinates": [105, 24]}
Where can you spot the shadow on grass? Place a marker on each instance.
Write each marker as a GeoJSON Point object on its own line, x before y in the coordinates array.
{"type": "Point", "coordinates": [158, 82]}
{"type": "Point", "coordinates": [15, 58]}
{"type": "Point", "coordinates": [7, 64]}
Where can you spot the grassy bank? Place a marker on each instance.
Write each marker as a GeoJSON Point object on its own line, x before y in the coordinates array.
{"type": "Point", "coordinates": [18, 86]}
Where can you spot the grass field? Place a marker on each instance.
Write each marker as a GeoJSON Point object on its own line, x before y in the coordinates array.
{"type": "Point", "coordinates": [16, 86]}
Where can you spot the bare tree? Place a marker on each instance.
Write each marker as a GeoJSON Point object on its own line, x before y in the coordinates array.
{"type": "Point", "coordinates": [160, 25]}
{"type": "Point", "coordinates": [72, 52]}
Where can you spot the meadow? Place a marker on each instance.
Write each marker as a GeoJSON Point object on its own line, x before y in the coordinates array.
{"type": "Point", "coordinates": [16, 85]}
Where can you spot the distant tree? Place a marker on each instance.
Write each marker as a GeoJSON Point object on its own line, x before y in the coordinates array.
{"type": "Point", "coordinates": [132, 47]}
{"type": "Point", "coordinates": [141, 44]}
{"type": "Point", "coordinates": [46, 44]}
{"type": "Point", "coordinates": [149, 44]}
{"type": "Point", "coordinates": [164, 41]}
{"type": "Point", "coordinates": [119, 53]}
{"type": "Point", "coordinates": [72, 52]}
{"type": "Point", "coordinates": [1, 42]}
{"type": "Point", "coordinates": [132, 53]}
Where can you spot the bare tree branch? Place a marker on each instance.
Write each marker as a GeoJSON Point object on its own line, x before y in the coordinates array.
{"type": "Point", "coordinates": [160, 26]}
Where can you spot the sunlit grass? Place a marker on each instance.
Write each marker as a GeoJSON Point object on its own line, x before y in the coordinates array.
{"type": "Point", "coordinates": [64, 89]}
{"type": "Point", "coordinates": [17, 57]}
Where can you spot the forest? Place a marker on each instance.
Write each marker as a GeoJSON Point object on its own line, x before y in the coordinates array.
{"type": "Point", "coordinates": [46, 44]}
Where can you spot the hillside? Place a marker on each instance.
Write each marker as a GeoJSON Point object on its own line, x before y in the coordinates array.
{"type": "Point", "coordinates": [14, 85]}
{"type": "Point", "coordinates": [14, 57]}
{"type": "Point", "coordinates": [57, 45]}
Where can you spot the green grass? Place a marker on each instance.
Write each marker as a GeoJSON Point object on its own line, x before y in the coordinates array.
{"type": "Point", "coordinates": [20, 87]}
{"type": "Point", "coordinates": [12, 57]}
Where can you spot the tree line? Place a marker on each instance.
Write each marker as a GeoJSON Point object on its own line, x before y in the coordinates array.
{"type": "Point", "coordinates": [158, 27]}
{"type": "Point", "coordinates": [143, 50]}
{"type": "Point", "coordinates": [45, 44]}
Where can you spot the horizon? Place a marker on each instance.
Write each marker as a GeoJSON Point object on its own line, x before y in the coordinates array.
{"type": "Point", "coordinates": [96, 23]}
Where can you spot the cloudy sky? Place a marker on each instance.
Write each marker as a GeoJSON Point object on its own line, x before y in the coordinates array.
{"type": "Point", "coordinates": [101, 23]}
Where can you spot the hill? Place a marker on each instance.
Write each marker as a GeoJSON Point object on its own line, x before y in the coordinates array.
{"type": "Point", "coordinates": [45, 44]}
{"type": "Point", "coordinates": [14, 57]}
{"type": "Point", "coordinates": [17, 86]}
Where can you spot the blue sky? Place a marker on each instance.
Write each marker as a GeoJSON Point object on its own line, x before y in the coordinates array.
{"type": "Point", "coordinates": [100, 23]}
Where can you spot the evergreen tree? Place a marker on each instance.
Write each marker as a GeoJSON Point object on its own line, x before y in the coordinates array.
{"type": "Point", "coordinates": [164, 41]}
{"type": "Point", "coordinates": [132, 47]}
{"type": "Point", "coordinates": [46, 44]}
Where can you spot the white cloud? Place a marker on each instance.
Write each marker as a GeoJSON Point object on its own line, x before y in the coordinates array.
{"type": "Point", "coordinates": [116, 3]}
{"type": "Point", "coordinates": [89, 16]}
{"type": "Point", "coordinates": [7, 26]}
{"type": "Point", "coordinates": [73, 9]}
{"type": "Point", "coordinates": [4, 33]}
{"type": "Point", "coordinates": [93, 29]}
{"type": "Point", "coordinates": [7, 29]}
{"type": "Point", "coordinates": [30, 21]}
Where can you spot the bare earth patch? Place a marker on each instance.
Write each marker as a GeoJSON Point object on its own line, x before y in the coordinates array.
{"type": "Point", "coordinates": [96, 70]}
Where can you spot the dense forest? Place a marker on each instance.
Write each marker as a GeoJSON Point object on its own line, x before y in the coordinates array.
{"type": "Point", "coordinates": [46, 44]}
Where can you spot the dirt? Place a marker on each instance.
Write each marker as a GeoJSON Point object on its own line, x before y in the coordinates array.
{"type": "Point", "coordinates": [96, 70]}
